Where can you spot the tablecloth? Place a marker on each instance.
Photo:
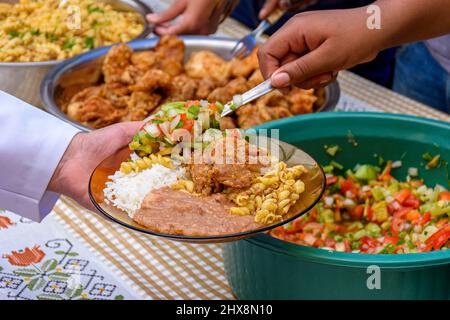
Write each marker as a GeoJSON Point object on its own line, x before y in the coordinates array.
{"type": "Point", "coordinates": [75, 254]}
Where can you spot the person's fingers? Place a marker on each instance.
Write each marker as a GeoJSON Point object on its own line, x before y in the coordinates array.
{"type": "Point", "coordinates": [319, 81]}
{"type": "Point", "coordinates": [279, 47]}
{"type": "Point", "coordinates": [267, 9]}
{"type": "Point", "coordinates": [128, 130]}
{"type": "Point", "coordinates": [171, 13]}
{"type": "Point", "coordinates": [181, 27]}
{"type": "Point", "coordinates": [315, 62]}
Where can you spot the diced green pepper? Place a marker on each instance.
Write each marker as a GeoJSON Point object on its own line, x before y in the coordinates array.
{"type": "Point", "coordinates": [377, 193]}
{"type": "Point", "coordinates": [366, 172]}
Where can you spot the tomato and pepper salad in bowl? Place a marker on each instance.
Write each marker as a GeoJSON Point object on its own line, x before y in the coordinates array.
{"type": "Point", "coordinates": [384, 215]}
{"type": "Point", "coordinates": [367, 210]}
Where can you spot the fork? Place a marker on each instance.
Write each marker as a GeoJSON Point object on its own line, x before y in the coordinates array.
{"type": "Point", "coordinates": [252, 94]}
{"type": "Point", "coordinates": [245, 46]}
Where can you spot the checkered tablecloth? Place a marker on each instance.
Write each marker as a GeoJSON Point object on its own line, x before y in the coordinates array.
{"type": "Point", "coordinates": [132, 265]}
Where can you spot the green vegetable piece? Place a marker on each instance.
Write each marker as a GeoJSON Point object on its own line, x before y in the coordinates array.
{"type": "Point", "coordinates": [68, 44]}
{"type": "Point", "coordinates": [440, 211]}
{"type": "Point", "coordinates": [145, 148]}
{"type": "Point", "coordinates": [355, 245]}
{"type": "Point", "coordinates": [377, 193]}
{"type": "Point", "coordinates": [336, 165]}
{"type": "Point", "coordinates": [366, 172]}
{"type": "Point", "coordinates": [427, 156]}
{"type": "Point", "coordinates": [15, 34]}
{"type": "Point", "coordinates": [380, 211]}
{"type": "Point", "coordinates": [194, 111]}
{"type": "Point", "coordinates": [89, 42]}
{"type": "Point", "coordinates": [359, 234]}
{"type": "Point", "coordinates": [328, 169]}
{"type": "Point", "coordinates": [35, 32]}
{"type": "Point", "coordinates": [178, 105]}
{"type": "Point", "coordinates": [332, 150]}
{"type": "Point", "coordinates": [92, 9]}
{"type": "Point", "coordinates": [386, 225]}
{"type": "Point", "coordinates": [373, 229]}
{"type": "Point", "coordinates": [134, 145]}
{"type": "Point", "coordinates": [326, 216]}
{"type": "Point", "coordinates": [433, 163]}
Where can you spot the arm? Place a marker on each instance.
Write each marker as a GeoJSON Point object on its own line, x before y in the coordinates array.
{"type": "Point", "coordinates": [31, 147]}
{"type": "Point", "coordinates": [313, 46]}
{"type": "Point", "coordinates": [42, 157]}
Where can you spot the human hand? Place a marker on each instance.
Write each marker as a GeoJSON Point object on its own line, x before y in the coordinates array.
{"type": "Point", "coordinates": [286, 5]}
{"type": "Point", "coordinates": [196, 17]}
{"type": "Point", "coordinates": [312, 47]}
{"type": "Point", "coordinates": [84, 153]}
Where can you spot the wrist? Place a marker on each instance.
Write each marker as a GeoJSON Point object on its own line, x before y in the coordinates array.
{"type": "Point", "coordinates": [60, 181]}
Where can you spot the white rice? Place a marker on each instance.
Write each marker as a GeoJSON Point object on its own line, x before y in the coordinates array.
{"type": "Point", "coordinates": [127, 191]}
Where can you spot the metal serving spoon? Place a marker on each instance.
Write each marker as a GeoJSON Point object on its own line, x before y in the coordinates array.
{"type": "Point", "coordinates": [252, 94]}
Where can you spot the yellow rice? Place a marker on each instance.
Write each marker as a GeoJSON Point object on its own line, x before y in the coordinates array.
{"type": "Point", "coordinates": [41, 30]}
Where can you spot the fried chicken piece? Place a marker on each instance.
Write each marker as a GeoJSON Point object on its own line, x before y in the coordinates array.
{"type": "Point", "coordinates": [273, 99]}
{"type": "Point", "coordinates": [202, 176]}
{"type": "Point", "coordinates": [117, 93]}
{"type": "Point", "coordinates": [226, 93]}
{"type": "Point", "coordinates": [65, 95]}
{"type": "Point", "coordinates": [95, 112]}
{"type": "Point", "coordinates": [206, 64]}
{"type": "Point", "coordinates": [255, 79]}
{"type": "Point", "coordinates": [302, 101]}
{"type": "Point", "coordinates": [144, 60]}
{"type": "Point", "coordinates": [251, 115]}
{"type": "Point", "coordinates": [205, 87]}
{"type": "Point", "coordinates": [169, 55]}
{"type": "Point", "coordinates": [171, 47]}
{"type": "Point", "coordinates": [131, 75]}
{"type": "Point", "coordinates": [234, 163]}
{"type": "Point", "coordinates": [83, 95]}
{"type": "Point", "coordinates": [227, 123]}
{"type": "Point", "coordinates": [117, 60]}
{"type": "Point", "coordinates": [152, 80]}
{"type": "Point", "coordinates": [245, 67]}
{"type": "Point", "coordinates": [183, 88]}
{"type": "Point", "coordinates": [279, 113]}
{"type": "Point", "coordinates": [140, 105]}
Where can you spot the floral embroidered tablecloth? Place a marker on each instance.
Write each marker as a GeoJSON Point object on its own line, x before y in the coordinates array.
{"type": "Point", "coordinates": [40, 261]}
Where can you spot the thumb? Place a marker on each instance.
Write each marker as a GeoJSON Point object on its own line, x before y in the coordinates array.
{"type": "Point", "coordinates": [167, 15]}
{"type": "Point", "coordinates": [316, 62]}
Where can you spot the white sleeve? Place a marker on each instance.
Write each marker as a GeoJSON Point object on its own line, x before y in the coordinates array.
{"type": "Point", "coordinates": [32, 143]}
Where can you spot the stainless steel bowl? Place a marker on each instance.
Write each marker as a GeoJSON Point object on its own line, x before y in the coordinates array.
{"type": "Point", "coordinates": [23, 79]}
{"type": "Point", "coordinates": [86, 69]}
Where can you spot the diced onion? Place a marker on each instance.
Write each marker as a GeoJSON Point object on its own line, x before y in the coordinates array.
{"type": "Point", "coordinates": [175, 121]}
{"type": "Point", "coordinates": [172, 112]}
{"type": "Point", "coordinates": [204, 104]}
{"type": "Point", "coordinates": [237, 100]}
{"type": "Point", "coordinates": [396, 164]}
{"type": "Point", "coordinates": [413, 172]}
{"type": "Point", "coordinates": [365, 188]}
{"type": "Point", "coordinates": [165, 128]}
{"type": "Point", "coordinates": [329, 201]}
{"type": "Point", "coordinates": [389, 199]}
{"type": "Point", "coordinates": [349, 202]}
{"type": "Point", "coordinates": [152, 129]}
{"type": "Point", "coordinates": [340, 247]}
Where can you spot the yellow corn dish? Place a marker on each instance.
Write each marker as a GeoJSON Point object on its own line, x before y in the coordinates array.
{"type": "Point", "coordinates": [43, 30]}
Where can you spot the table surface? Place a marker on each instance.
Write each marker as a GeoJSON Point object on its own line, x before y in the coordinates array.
{"type": "Point", "coordinates": [75, 254]}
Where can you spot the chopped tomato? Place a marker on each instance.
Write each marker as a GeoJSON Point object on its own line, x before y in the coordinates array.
{"type": "Point", "coordinates": [444, 195]}
{"type": "Point", "coordinates": [402, 195]}
{"type": "Point", "coordinates": [438, 239]}
{"type": "Point", "coordinates": [331, 180]}
{"type": "Point", "coordinates": [441, 222]}
{"type": "Point", "coordinates": [413, 216]}
{"type": "Point", "coordinates": [192, 103]}
{"type": "Point", "coordinates": [188, 124]}
{"type": "Point", "coordinates": [183, 116]}
{"type": "Point", "coordinates": [393, 240]}
{"type": "Point", "coordinates": [398, 219]}
{"type": "Point", "coordinates": [357, 212]}
{"type": "Point", "coordinates": [386, 174]}
{"type": "Point", "coordinates": [426, 217]}
{"type": "Point", "coordinates": [412, 202]}
{"type": "Point", "coordinates": [369, 213]}
{"type": "Point", "coordinates": [346, 185]}
{"type": "Point", "coordinates": [370, 242]}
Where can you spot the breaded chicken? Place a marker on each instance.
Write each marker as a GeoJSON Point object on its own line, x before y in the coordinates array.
{"type": "Point", "coordinates": [116, 61]}
{"type": "Point", "coordinates": [95, 112]}
{"type": "Point", "coordinates": [206, 64]}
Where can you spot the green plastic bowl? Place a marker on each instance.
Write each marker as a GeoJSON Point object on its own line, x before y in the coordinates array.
{"type": "Point", "coordinates": [263, 267]}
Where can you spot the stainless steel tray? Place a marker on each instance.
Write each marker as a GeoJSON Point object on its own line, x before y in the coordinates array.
{"type": "Point", "coordinates": [85, 68]}
{"type": "Point", "coordinates": [23, 79]}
